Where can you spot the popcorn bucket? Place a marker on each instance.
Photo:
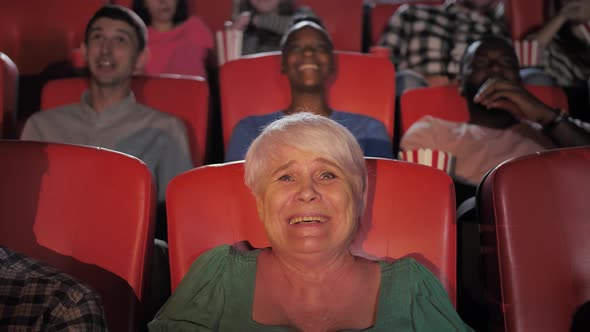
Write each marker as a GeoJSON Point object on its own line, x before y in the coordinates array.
{"type": "Point", "coordinates": [528, 52]}
{"type": "Point", "coordinates": [228, 44]}
{"type": "Point", "coordinates": [434, 158]}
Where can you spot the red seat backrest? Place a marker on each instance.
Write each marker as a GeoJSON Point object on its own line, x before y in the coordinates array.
{"type": "Point", "coordinates": [382, 12]}
{"type": "Point", "coordinates": [524, 16]}
{"type": "Point", "coordinates": [254, 85]}
{"type": "Point", "coordinates": [8, 96]}
{"type": "Point", "coordinates": [186, 97]}
{"type": "Point", "coordinates": [87, 211]}
{"type": "Point", "coordinates": [211, 205]}
{"type": "Point", "coordinates": [213, 13]}
{"type": "Point", "coordinates": [342, 18]}
{"type": "Point", "coordinates": [40, 33]}
{"type": "Point", "coordinates": [534, 213]}
{"type": "Point", "coordinates": [446, 103]}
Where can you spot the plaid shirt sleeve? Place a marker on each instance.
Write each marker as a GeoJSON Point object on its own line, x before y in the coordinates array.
{"type": "Point", "coordinates": [80, 312]}
{"type": "Point", "coordinates": [431, 39]}
{"type": "Point", "coordinates": [396, 32]}
{"type": "Point", "coordinates": [34, 296]}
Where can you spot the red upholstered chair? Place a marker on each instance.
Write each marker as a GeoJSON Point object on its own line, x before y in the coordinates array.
{"type": "Point", "coordinates": [446, 103]}
{"type": "Point", "coordinates": [524, 16]}
{"type": "Point", "coordinates": [254, 85]}
{"type": "Point", "coordinates": [87, 211]}
{"type": "Point", "coordinates": [8, 96]}
{"type": "Point", "coordinates": [214, 13]}
{"type": "Point", "coordinates": [342, 18]}
{"type": "Point", "coordinates": [381, 12]}
{"type": "Point", "coordinates": [40, 33]}
{"type": "Point", "coordinates": [186, 97]}
{"type": "Point", "coordinates": [210, 206]}
{"type": "Point", "coordinates": [534, 213]}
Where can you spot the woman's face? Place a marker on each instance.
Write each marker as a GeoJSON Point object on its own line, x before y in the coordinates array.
{"type": "Point", "coordinates": [265, 6]}
{"type": "Point", "coordinates": [307, 59]}
{"type": "Point", "coordinates": [161, 10]}
{"type": "Point", "coordinates": [306, 203]}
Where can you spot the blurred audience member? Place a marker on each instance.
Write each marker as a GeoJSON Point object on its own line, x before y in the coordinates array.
{"type": "Point", "coordinates": [427, 41]}
{"type": "Point", "coordinates": [308, 62]}
{"type": "Point", "coordinates": [506, 120]}
{"type": "Point", "coordinates": [107, 114]}
{"type": "Point", "coordinates": [177, 43]}
{"type": "Point", "coordinates": [264, 22]}
{"type": "Point", "coordinates": [566, 42]}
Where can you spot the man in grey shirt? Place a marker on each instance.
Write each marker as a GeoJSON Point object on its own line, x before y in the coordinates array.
{"type": "Point", "coordinates": [108, 115]}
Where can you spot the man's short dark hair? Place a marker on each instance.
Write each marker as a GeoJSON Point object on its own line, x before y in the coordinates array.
{"type": "Point", "coordinates": [120, 13]}
{"type": "Point", "coordinates": [485, 41]}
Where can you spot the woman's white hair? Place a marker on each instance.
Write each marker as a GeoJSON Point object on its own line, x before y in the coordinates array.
{"type": "Point", "coordinates": [312, 133]}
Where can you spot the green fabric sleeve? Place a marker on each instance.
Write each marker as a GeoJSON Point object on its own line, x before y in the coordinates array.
{"type": "Point", "coordinates": [198, 302]}
{"type": "Point", "coordinates": [431, 309]}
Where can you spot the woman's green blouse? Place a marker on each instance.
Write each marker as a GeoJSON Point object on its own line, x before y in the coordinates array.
{"type": "Point", "coordinates": [218, 292]}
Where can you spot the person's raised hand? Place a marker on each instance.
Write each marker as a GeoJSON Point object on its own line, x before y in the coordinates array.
{"type": "Point", "coordinates": [241, 21]}
{"type": "Point", "coordinates": [576, 11]}
{"type": "Point", "coordinates": [514, 98]}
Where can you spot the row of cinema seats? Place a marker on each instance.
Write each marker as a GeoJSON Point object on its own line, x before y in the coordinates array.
{"type": "Point", "coordinates": [26, 28]}
{"type": "Point", "coordinates": [58, 30]}
{"type": "Point", "coordinates": [89, 211]}
{"type": "Point", "coordinates": [363, 84]}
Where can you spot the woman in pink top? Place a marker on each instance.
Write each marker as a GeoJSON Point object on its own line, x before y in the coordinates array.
{"type": "Point", "coordinates": [178, 44]}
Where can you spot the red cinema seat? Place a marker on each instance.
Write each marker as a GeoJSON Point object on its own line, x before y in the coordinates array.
{"type": "Point", "coordinates": [186, 97]}
{"type": "Point", "coordinates": [37, 34]}
{"type": "Point", "coordinates": [524, 16]}
{"type": "Point", "coordinates": [8, 96]}
{"type": "Point", "coordinates": [214, 13]}
{"type": "Point", "coordinates": [87, 211]}
{"type": "Point", "coordinates": [446, 103]}
{"type": "Point", "coordinates": [211, 205]}
{"type": "Point", "coordinates": [534, 215]}
{"type": "Point", "coordinates": [254, 85]}
{"type": "Point", "coordinates": [342, 18]}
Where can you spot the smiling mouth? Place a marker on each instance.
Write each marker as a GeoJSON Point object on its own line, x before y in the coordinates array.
{"type": "Point", "coordinates": [307, 220]}
{"type": "Point", "coordinates": [105, 63]}
{"type": "Point", "coordinates": [308, 66]}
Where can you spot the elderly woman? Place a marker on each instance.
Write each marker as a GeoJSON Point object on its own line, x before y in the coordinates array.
{"type": "Point", "coordinates": [307, 60]}
{"type": "Point", "coordinates": [308, 175]}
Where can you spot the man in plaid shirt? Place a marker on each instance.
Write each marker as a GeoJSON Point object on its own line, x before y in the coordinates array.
{"type": "Point", "coordinates": [427, 41]}
{"type": "Point", "coordinates": [36, 297]}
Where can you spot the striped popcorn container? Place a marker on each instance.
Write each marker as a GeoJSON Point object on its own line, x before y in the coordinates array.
{"type": "Point", "coordinates": [434, 158]}
{"type": "Point", "coordinates": [229, 45]}
{"type": "Point", "coordinates": [528, 52]}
